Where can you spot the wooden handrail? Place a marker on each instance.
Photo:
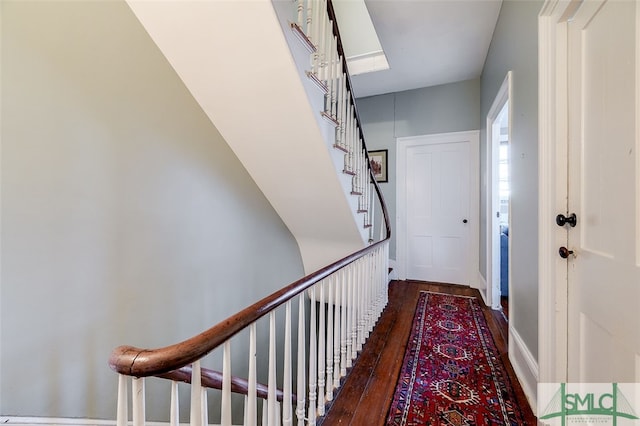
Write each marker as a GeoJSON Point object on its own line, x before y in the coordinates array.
{"type": "Point", "coordinates": [213, 379]}
{"type": "Point", "coordinates": [139, 362]}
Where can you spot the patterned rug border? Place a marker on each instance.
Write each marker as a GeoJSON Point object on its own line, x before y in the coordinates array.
{"type": "Point", "coordinates": [508, 404]}
{"type": "Point", "coordinates": [447, 294]}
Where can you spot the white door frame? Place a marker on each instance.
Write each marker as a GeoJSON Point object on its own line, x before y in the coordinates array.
{"type": "Point", "coordinates": [552, 193]}
{"type": "Point", "coordinates": [473, 137]}
{"type": "Point", "coordinates": [493, 195]}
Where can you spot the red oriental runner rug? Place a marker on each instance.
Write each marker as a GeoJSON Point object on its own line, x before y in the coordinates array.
{"type": "Point", "coordinates": [451, 373]}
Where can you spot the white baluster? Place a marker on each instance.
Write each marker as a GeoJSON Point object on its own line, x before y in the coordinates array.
{"type": "Point", "coordinates": [350, 310]}
{"type": "Point", "coordinates": [313, 25]}
{"type": "Point", "coordinates": [375, 289]}
{"type": "Point", "coordinates": [343, 321]}
{"type": "Point", "coordinates": [308, 29]}
{"type": "Point", "coordinates": [246, 417]}
{"type": "Point", "coordinates": [350, 139]}
{"type": "Point", "coordinates": [382, 274]}
{"type": "Point", "coordinates": [336, 327]}
{"type": "Point", "coordinates": [196, 395]}
{"type": "Point", "coordinates": [265, 413]}
{"type": "Point", "coordinates": [360, 303]}
{"type": "Point", "coordinates": [372, 286]}
{"type": "Point", "coordinates": [339, 112]}
{"type": "Point", "coordinates": [251, 409]}
{"type": "Point", "coordinates": [137, 389]}
{"type": "Point", "coordinates": [321, 349]}
{"type": "Point", "coordinates": [300, 13]}
{"type": "Point", "coordinates": [347, 141]}
{"type": "Point", "coordinates": [385, 268]}
{"type": "Point", "coordinates": [286, 385]}
{"type": "Point", "coordinates": [175, 405]}
{"type": "Point", "coordinates": [300, 407]}
{"type": "Point", "coordinates": [353, 147]}
{"type": "Point", "coordinates": [225, 409]}
{"type": "Point", "coordinates": [321, 43]}
{"type": "Point", "coordinates": [205, 407]}
{"type": "Point", "coordinates": [334, 75]}
{"type": "Point", "coordinates": [329, 353]}
{"type": "Point", "coordinates": [360, 166]}
{"type": "Point", "coordinates": [381, 280]}
{"type": "Point", "coordinates": [354, 312]}
{"type": "Point", "coordinates": [368, 204]}
{"type": "Point", "coordinates": [313, 373]}
{"type": "Point", "coordinates": [329, 70]}
{"type": "Point", "coordinates": [123, 401]}
{"type": "Point", "coordinates": [368, 284]}
{"type": "Point", "coordinates": [323, 12]}
{"type": "Point", "coordinates": [273, 384]}
{"type": "Point", "coordinates": [326, 45]}
{"type": "Point", "coordinates": [364, 295]}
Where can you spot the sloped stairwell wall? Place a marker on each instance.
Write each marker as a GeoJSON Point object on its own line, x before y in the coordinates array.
{"type": "Point", "coordinates": [234, 58]}
{"type": "Point", "coordinates": [122, 209]}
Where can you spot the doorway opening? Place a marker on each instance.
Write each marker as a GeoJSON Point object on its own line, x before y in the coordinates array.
{"type": "Point", "coordinates": [503, 206]}
{"type": "Point", "coordinates": [498, 210]}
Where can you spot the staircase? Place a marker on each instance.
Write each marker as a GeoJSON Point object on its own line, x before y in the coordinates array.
{"type": "Point", "coordinates": [273, 80]}
{"type": "Point", "coordinates": [245, 67]}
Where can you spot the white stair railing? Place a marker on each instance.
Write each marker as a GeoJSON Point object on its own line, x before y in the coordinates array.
{"type": "Point", "coordinates": [352, 295]}
{"type": "Point", "coordinates": [316, 26]}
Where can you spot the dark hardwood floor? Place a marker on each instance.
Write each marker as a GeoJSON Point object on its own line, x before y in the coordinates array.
{"type": "Point", "coordinates": [366, 394]}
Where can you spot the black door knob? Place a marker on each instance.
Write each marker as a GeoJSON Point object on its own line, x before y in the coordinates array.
{"type": "Point", "coordinates": [464, 221]}
{"type": "Point", "coordinates": [564, 252]}
{"type": "Point", "coordinates": [572, 220]}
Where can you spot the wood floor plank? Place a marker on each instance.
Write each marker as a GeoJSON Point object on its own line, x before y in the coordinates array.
{"type": "Point", "coordinates": [367, 392]}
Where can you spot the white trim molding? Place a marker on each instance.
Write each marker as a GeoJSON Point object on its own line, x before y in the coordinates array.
{"type": "Point", "coordinates": [473, 137]}
{"type": "Point", "coordinates": [482, 287]}
{"type": "Point", "coordinates": [67, 421]}
{"type": "Point", "coordinates": [552, 183]}
{"type": "Point", "coordinates": [525, 366]}
{"type": "Point", "coordinates": [502, 98]}
{"type": "Point", "coordinates": [64, 421]}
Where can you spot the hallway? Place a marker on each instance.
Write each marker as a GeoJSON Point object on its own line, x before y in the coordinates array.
{"type": "Point", "coordinates": [366, 395]}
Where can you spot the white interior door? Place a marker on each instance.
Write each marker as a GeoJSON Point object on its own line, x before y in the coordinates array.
{"type": "Point", "coordinates": [604, 192]}
{"type": "Point", "coordinates": [437, 208]}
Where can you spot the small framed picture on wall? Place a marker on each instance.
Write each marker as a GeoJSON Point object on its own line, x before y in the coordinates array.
{"type": "Point", "coordinates": [379, 164]}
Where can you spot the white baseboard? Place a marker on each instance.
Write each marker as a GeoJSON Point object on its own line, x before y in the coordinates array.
{"type": "Point", "coordinates": [482, 288]}
{"type": "Point", "coordinates": [64, 421]}
{"type": "Point", "coordinates": [525, 367]}
{"type": "Point", "coordinates": [54, 421]}
{"type": "Point", "coordinates": [394, 273]}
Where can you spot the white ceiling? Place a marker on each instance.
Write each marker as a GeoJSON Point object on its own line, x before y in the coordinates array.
{"type": "Point", "coordinates": [426, 42]}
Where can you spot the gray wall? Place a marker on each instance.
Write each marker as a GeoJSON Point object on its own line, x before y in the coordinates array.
{"type": "Point", "coordinates": [125, 217]}
{"type": "Point", "coordinates": [439, 109]}
{"type": "Point", "coordinates": [515, 47]}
